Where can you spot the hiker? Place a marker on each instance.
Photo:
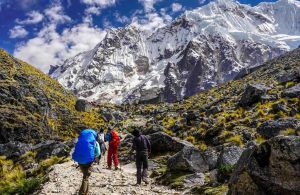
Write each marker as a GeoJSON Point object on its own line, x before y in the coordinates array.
{"type": "Point", "coordinates": [114, 141]}
{"type": "Point", "coordinates": [86, 151]}
{"type": "Point", "coordinates": [142, 146]}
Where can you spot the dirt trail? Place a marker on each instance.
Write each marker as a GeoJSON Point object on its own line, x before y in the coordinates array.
{"type": "Point", "coordinates": [66, 179]}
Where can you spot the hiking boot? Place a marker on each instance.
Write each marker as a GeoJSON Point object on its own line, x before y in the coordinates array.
{"type": "Point", "coordinates": [116, 168]}
{"type": "Point", "coordinates": [137, 184]}
{"type": "Point", "coordinates": [109, 168]}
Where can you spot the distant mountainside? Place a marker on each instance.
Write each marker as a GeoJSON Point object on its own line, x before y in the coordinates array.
{"type": "Point", "coordinates": [199, 49]}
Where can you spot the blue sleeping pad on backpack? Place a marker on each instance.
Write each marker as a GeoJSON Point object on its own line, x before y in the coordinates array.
{"type": "Point", "coordinates": [85, 147]}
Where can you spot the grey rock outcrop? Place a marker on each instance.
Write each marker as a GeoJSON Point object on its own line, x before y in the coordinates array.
{"type": "Point", "coordinates": [252, 94]}
{"type": "Point", "coordinates": [188, 159]}
{"type": "Point", "coordinates": [230, 156]}
{"type": "Point", "coordinates": [162, 142]}
{"type": "Point", "coordinates": [293, 91]}
{"type": "Point", "coordinates": [271, 168]}
{"type": "Point", "coordinates": [83, 106]}
{"type": "Point", "coordinates": [272, 128]}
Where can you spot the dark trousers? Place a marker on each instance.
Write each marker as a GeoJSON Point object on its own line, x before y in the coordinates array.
{"type": "Point", "coordinates": [141, 162]}
{"type": "Point", "coordinates": [86, 170]}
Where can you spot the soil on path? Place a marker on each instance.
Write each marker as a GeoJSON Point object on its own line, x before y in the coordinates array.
{"type": "Point", "coordinates": [66, 179]}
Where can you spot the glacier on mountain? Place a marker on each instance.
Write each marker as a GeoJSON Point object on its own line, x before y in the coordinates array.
{"type": "Point", "coordinates": [199, 49]}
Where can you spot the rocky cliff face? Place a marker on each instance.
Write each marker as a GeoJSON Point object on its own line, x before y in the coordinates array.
{"type": "Point", "coordinates": [200, 49]}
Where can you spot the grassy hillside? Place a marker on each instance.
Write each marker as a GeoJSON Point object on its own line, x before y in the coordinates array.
{"type": "Point", "coordinates": [34, 107]}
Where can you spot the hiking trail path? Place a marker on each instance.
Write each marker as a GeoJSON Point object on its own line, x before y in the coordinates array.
{"type": "Point", "coordinates": [65, 179]}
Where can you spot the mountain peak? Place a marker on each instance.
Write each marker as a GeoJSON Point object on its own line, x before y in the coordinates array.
{"type": "Point", "coordinates": [199, 49]}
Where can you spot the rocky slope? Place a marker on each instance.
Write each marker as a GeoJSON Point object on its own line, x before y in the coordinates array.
{"type": "Point", "coordinates": [33, 106]}
{"type": "Point", "coordinates": [222, 123]}
{"type": "Point", "coordinates": [37, 121]}
{"type": "Point", "coordinates": [199, 49]}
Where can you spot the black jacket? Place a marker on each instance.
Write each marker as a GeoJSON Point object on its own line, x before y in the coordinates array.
{"type": "Point", "coordinates": [141, 144]}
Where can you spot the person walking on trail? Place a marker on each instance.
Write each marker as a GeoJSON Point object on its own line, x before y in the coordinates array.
{"type": "Point", "coordinates": [86, 151]}
{"type": "Point", "coordinates": [114, 141]}
{"type": "Point", "coordinates": [142, 146]}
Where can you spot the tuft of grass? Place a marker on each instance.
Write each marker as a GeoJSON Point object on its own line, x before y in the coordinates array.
{"type": "Point", "coordinates": [225, 171]}
{"type": "Point", "coordinates": [206, 190]}
{"type": "Point", "coordinates": [289, 131]}
{"type": "Point", "coordinates": [260, 139]}
{"type": "Point", "coordinates": [191, 139]}
{"type": "Point", "coordinates": [237, 139]}
{"type": "Point", "coordinates": [203, 146]}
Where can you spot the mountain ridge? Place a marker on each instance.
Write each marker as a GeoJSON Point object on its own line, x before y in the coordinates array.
{"type": "Point", "coordinates": [199, 49]}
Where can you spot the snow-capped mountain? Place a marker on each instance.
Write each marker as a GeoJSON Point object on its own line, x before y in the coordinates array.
{"type": "Point", "coordinates": [200, 49]}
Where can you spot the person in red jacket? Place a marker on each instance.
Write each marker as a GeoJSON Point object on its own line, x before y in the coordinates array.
{"type": "Point", "coordinates": [114, 141]}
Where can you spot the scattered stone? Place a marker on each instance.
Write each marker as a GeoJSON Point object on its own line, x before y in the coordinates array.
{"type": "Point", "coordinates": [194, 179]}
{"type": "Point", "coordinates": [272, 128]}
{"type": "Point", "coordinates": [230, 156]}
{"type": "Point", "coordinates": [211, 157]}
{"type": "Point", "coordinates": [293, 91]}
{"type": "Point", "coordinates": [150, 96]}
{"type": "Point", "coordinates": [279, 107]}
{"type": "Point", "coordinates": [271, 168]}
{"type": "Point", "coordinates": [214, 110]}
{"type": "Point", "coordinates": [83, 105]}
{"type": "Point", "coordinates": [14, 149]}
{"type": "Point", "coordinates": [188, 159]}
{"type": "Point", "coordinates": [51, 148]}
{"type": "Point", "coordinates": [289, 76]}
{"type": "Point", "coordinates": [253, 94]}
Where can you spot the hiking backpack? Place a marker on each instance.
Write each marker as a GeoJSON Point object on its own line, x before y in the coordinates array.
{"type": "Point", "coordinates": [84, 152]}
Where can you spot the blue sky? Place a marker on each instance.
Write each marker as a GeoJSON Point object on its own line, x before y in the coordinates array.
{"type": "Point", "coordinates": [45, 32]}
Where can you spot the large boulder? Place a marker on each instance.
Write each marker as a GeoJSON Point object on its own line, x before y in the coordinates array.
{"type": "Point", "coordinates": [83, 105]}
{"type": "Point", "coordinates": [252, 94]}
{"type": "Point", "coordinates": [229, 156]}
{"type": "Point", "coordinates": [188, 159]}
{"type": "Point", "coordinates": [293, 91]}
{"type": "Point", "coordinates": [289, 76]}
{"type": "Point", "coordinates": [14, 149]}
{"type": "Point", "coordinates": [272, 128]}
{"type": "Point", "coordinates": [150, 96]}
{"type": "Point", "coordinates": [211, 157]}
{"type": "Point", "coordinates": [162, 143]}
{"type": "Point", "coordinates": [44, 149]}
{"type": "Point", "coordinates": [52, 148]}
{"type": "Point", "coordinates": [271, 168]}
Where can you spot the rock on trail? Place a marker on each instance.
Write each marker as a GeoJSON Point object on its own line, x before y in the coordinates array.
{"type": "Point", "coordinates": [66, 179]}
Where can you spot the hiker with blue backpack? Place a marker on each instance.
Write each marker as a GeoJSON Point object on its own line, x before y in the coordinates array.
{"type": "Point", "coordinates": [87, 151]}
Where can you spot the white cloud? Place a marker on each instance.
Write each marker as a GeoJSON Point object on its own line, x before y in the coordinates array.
{"type": "Point", "coordinates": [93, 10]}
{"type": "Point", "coordinates": [33, 17]}
{"type": "Point", "coordinates": [26, 4]}
{"type": "Point", "coordinates": [202, 1]}
{"type": "Point", "coordinates": [176, 7]}
{"type": "Point", "coordinates": [148, 5]}
{"type": "Point", "coordinates": [18, 32]}
{"type": "Point", "coordinates": [56, 14]}
{"type": "Point", "coordinates": [52, 48]}
{"type": "Point", "coordinates": [100, 3]}
{"type": "Point", "coordinates": [121, 19]}
{"type": "Point", "coordinates": [151, 22]}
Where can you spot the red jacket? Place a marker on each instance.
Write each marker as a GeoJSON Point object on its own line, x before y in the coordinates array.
{"type": "Point", "coordinates": [115, 139]}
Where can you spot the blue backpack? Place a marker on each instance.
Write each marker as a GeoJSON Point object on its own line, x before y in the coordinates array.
{"type": "Point", "coordinates": [85, 147]}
